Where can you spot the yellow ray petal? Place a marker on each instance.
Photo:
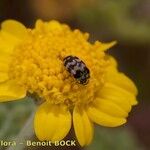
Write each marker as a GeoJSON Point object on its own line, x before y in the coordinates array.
{"type": "Point", "coordinates": [118, 95]}
{"type": "Point", "coordinates": [109, 108]}
{"type": "Point", "coordinates": [116, 98]}
{"type": "Point", "coordinates": [11, 34]}
{"type": "Point", "coordinates": [3, 77]}
{"type": "Point", "coordinates": [6, 45]}
{"type": "Point", "coordinates": [122, 81]}
{"type": "Point", "coordinates": [113, 64]}
{"type": "Point", "coordinates": [52, 122]}
{"type": "Point", "coordinates": [104, 119]}
{"type": "Point", "coordinates": [83, 126]}
{"type": "Point", "coordinates": [106, 46]}
{"type": "Point", "coordinates": [5, 57]}
{"type": "Point", "coordinates": [10, 91]}
{"type": "Point", "coordinates": [113, 61]}
{"type": "Point", "coordinates": [14, 28]}
{"type": "Point", "coordinates": [4, 67]}
{"type": "Point", "coordinates": [8, 38]}
{"type": "Point", "coordinates": [5, 60]}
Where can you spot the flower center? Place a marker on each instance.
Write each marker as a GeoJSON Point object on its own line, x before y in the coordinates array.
{"type": "Point", "coordinates": [38, 64]}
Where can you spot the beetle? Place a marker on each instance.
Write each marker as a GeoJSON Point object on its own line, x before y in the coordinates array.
{"type": "Point", "coordinates": [77, 68]}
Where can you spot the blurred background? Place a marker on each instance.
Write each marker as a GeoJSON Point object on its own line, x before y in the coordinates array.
{"type": "Point", "coordinates": [128, 22]}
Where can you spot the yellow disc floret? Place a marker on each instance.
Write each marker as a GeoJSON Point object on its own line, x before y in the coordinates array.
{"type": "Point", "coordinates": [38, 64]}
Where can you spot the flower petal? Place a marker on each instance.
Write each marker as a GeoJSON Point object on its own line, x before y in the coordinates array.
{"type": "Point", "coordinates": [113, 64]}
{"type": "Point", "coordinates": [106, 46]}
{"type": "Point", "coordinates": [3, 77]}
{"type": "Point", "coordinates": [52, 122]}
{"type": "Point", "coordinates": [118, 95]}
{"type": "Point", "coordinates": [3, 67]}
{"type": "Point", "coordinates": [109, 108]}
{"type": "Point", "coordinates": [14, 28]}
{"type": "Point", "coordinates": [11, 32]}
{"type": "Point", "coordinates": [83, 126]}
{"type": "Point", "coordinates": [104, 119]}
{"type": "Point", "coordinates": [122, 81]}
{"type": "Point", "coordinates": [5, 48]}
{"type": "Point", "coordinates": [49, 26]}
{"type": "Point", "coordinates": [9, 90]}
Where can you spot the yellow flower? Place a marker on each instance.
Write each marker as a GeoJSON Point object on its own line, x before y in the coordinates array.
{"type": "Point", "coordinates": [31, 60]}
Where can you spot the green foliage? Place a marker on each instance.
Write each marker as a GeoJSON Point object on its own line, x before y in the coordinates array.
{"type": "Point", "coordinates": [116, 17]}
{"type": "Point", "coordinates": [13, 116]}
{"type": "Point", "coordinates": [113, 139]}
